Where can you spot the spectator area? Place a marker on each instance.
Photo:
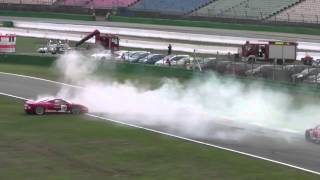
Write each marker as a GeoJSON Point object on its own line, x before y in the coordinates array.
{"type": "Point", "coordinates": [169, 6]}
{"type": "Point", "coordinates": [99, 4]}
{"type": "Point", "coordinates": [217, 7]}
{"type": "Point", "coordinates": [46, 2]}
{"type": "Point", "coordinates": [244, 9]}
{"type": "Point", "coordinates": [306, 11]}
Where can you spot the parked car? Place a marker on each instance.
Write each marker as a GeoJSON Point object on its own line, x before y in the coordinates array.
{"type": "Point", "coordinates": [312, 79]}
{"type": "Point", "coordinates": [313, 134]}
{"type": "Point", "coordinates": [316, 63]}
{"type": "Point", "coordinates": [170, 60]}
{"type": "Point", "coordinates": [151, 58]}
{"type": "Point", "coordinates": [104, 55]}
{"type": "Point", "coordinates": [299, 77]}
{"type": "Point", "coordinates": [221, 66]}
{"type": "Point", "coordinates": [183, 62]}
{"type": "Point", "coordinates": [135, 57]}
{"type": "Point", "coordinates": [126, 55]}
{"type": "Point", "coordinates": [261, 70]}
{"type": "Point", "coordinates": [53, 105]}
{"type": "Point", "coordinates": [270, 71]}
{"type": "Point", "coordinates": [307, 60]}
{"type": "Point", "coordinates": [54, 48]}
{"type": "Point", "coordinates": [294, 69]}
{"type": "Point", "coordinates": [238, 68]}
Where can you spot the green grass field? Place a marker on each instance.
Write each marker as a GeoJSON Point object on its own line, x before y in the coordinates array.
{"type": "Point", "coordinates": [78, 147]}
{"type": "Point", "coordinates": [47, 15]}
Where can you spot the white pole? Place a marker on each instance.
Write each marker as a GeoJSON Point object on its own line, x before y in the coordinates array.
{"type": "Point", "coordinates": [194, 55]}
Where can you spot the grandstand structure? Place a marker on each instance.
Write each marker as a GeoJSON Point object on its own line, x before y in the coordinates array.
{"type": "Point", "coordinates": [169, 6]}
{"type": "Point", "coordinates": [244, 9]}
{"type": "Point", "coordinates": [98, 4]}
{"type": "Point", "coordinates": [308, 11]}
{"type": "Point", "coordinates": [296, 11]}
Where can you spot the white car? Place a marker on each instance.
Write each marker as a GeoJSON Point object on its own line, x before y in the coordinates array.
{"type": "Point", "coordinates": [173, 59]}
{"type": "Point", "coordinates": [134, 58]}
{"type": "Point", "coordinates": [151, 58]}
{"type": "Point", "coordinates": [316, 63]}
{"type": "Point", "coordinates": [305, 74]}
{"type": "Point", "coordinates": [104, 55]}
{"type": "Point", "coordinates": [54, 48]}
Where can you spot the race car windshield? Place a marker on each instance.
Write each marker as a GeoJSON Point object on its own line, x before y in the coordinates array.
{"type": "Point", "coordinates": [43, 100]}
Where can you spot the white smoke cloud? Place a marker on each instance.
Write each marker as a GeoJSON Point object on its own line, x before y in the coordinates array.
{"type": "Point", "coordinates": [209, 107]}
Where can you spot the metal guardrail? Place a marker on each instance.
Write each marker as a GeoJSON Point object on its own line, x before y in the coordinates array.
{"type": "Point", "coordinates": [294, 74]}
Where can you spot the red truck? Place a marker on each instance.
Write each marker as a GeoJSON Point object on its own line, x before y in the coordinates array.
{"type": "Point", "coordinates": [107, 41]}
{"type": "Point", "coordinates": [269, 51]}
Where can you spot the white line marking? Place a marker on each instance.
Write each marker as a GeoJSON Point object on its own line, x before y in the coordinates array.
{"type": "Point", "coordinates": [163, 133]}
{"type": "Point", "coordinates": [10, 95]}
{"type": "Point", "coordinates": [40, 79]}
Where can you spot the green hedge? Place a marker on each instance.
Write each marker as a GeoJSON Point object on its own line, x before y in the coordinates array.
{"type": "Point", "coordinates": [27, 59]}
{"type": "Point", "coordinates": [146, 70]}
{"type": "Point", "coordinates": [208, 24]}
{"type": "Point", "coordinates": [47, 15]}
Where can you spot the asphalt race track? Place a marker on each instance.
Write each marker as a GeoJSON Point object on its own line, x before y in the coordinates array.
{"type": "Point", "coordinates": [196, 30]}
{"type": "Point", "coordinates": [280, 146]}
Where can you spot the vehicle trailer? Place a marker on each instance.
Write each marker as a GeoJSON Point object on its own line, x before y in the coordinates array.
{"type": "Point", "coordinates": [269, 51]}
{"type": "Point", "coordinates": [8, 43]}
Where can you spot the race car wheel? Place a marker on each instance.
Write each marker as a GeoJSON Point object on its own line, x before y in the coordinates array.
{"type": "Point", "coordinates": [75, 110]}
{"type": "Point", "coordinates": [39, 110]}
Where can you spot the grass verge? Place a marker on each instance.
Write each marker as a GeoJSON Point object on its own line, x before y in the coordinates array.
{"type": "Point", "coordinates": [78, 147]}
{"type": "Point", "coordinates": [47, 15]}
{"type": "Point", "coordinates": [218, 25]}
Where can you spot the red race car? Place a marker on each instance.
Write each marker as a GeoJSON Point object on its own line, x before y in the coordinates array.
{"type": "Point", "coordinates": [53, 105]}
{"type": "Point", "coordinates": [313, 134]}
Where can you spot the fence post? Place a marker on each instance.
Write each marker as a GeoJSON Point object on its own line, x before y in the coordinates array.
{"type": "Point", "coordinates": [233, 60]}
{"type": "Point", "coordinates": [315, 79]}
{"type": "Point", "coordinates": [317, 17]}
{"type": "Point", "coordinates": [252, 68]}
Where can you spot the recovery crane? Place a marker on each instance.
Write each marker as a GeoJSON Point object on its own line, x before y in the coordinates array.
{"type": "Point", "coordinates": [107, 41]}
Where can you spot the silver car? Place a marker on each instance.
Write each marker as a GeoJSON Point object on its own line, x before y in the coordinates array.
{"type": "Point", "coordinates": [135, 57]}
{"type": "Point", "coordinates": [299, 77]}
{"type": "Point", "coordinates": [126, 55]}
{"type": "Point", "coordinates": [151, 58]}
